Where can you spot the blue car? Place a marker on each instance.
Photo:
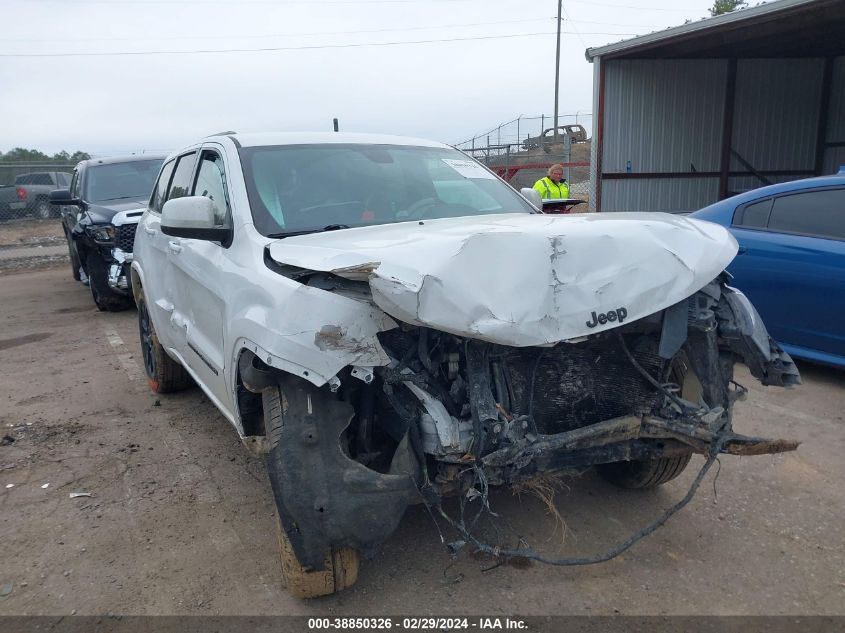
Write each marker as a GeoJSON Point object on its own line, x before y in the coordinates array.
{"type": "Point", "coordinates": [791, 261]}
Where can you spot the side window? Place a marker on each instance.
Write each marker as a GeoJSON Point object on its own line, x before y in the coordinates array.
{"type": "Point", "coordinates": [817, 213]}
{"type": "Point", "coordinates": [754, 215]}
{"type": "Point", "coordinates": [180, 186]}
{"type": "Point", "coordinates": [211, 183]}
{"type": "Point", "coordinates": [160, 189]}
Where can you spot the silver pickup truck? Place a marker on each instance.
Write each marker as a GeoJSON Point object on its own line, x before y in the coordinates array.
{"type": "Point", "coordinates": [30, 194]}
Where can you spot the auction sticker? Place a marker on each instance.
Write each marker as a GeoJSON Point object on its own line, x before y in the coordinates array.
{"type": "Point", "coordinates": [468, 168]}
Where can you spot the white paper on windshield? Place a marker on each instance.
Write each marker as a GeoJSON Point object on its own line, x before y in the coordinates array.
{"type": "Point", "coordinates": [468, 168]}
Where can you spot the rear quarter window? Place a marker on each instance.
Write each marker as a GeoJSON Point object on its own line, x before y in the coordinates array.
{"type": "Point", "coordinates": [813, 213]}
{"type": "Point", "coordinates": [754, 215]}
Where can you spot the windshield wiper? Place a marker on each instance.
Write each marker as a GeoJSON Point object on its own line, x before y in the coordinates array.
{"type": "Point", "coordinates": [330, 227]}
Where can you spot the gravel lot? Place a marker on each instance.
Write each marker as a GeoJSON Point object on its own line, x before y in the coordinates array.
{"type": "Point", "coordinates": [180, 519]}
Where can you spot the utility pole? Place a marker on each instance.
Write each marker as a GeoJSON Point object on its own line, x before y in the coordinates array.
{"type": "Point", "coordinates": [557, 62]}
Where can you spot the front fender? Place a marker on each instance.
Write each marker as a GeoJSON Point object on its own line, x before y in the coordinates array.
{"type": "Point", "coordinates": [313, 334]}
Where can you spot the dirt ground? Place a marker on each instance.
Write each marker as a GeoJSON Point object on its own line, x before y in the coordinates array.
{"type": "Point", "coordinates": [30, 232]}
{"type": "Point", "coordinates": [180, 517]}
{"type": "Point", "coordinates": [29, 244]}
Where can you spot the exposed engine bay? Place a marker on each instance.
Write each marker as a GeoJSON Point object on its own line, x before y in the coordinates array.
{"type": "Point", "coordinates": [452, 416]}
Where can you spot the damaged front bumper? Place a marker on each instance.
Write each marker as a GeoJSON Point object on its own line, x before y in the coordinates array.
{"type": "Point", "coordinates": [463, 414]}
{"type": "Point", "coordinates": [627, 438]}
{"type": "Point", "coordinates": [119, 267]}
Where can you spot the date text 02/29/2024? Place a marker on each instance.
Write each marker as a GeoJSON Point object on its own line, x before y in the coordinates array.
{"type": "Point", "coordinates": [416, 624]}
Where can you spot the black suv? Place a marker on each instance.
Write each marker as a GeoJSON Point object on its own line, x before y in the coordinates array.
{"type": "Point", "coordinates": [100, 213]}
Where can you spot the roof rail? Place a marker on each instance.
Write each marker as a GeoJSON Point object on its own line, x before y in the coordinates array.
{"type": "Point", "coordinates": [226, 133]}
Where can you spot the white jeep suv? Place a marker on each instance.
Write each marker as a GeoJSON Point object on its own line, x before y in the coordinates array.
{"type": "Point", "coordinates": [387, 322]}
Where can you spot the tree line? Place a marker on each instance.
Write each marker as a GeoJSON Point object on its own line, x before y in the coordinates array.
{"type": "Point", "coordinates": [22, 155]}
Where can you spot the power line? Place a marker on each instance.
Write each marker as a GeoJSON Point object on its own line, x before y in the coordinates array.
{"type": "Point", "coordinates": [319, 33]}
{"type": "Point", "coordinates": [293, 48]}
{"type": "Point", "coordinates": [626, 6]}
{"type": "Point", "coordinates": [244, 37]}
{"type": "Point", "coordinates": [274, 2]}
{"type": "Point", "coordinates": [344, 2]}
{"type": "Point", "coordinates": [566, 13]}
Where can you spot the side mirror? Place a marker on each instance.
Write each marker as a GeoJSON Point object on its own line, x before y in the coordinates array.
{"type": "Point", "coordinates": [62, 197]}
{"type": "Point", "coordinates": [533, 197]}
{"type": "Point", "coordinates": [192, 217]}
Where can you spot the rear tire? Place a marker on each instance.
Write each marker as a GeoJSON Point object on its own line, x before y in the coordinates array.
{"type": "Point", "coordinates": [164, 375]}
{"type": "Point", "coordinates": [646, 473]}
{"type": "Point", "coordinates": [43, 209]}
{"type": "Point", "coordinates": [107, 300]}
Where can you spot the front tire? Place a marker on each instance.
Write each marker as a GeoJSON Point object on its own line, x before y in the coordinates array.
{"type": "Point", "coordinates": [341, 570]}
{"type": "Point", "coordinates": [73, 255]}
{"type": "Point", "coordinates": [650, 473]}
{"type": "Point", "coordinates": [107, 300]}
{"type": "Point", "coordinates": [646, 473]}
{"type": "Point", "coordinates": [340, 563]}
{"type": "Point", "coordinates": [164, 375]}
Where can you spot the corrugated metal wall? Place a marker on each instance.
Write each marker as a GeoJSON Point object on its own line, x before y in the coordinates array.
{"type": "Point", "coordinates": [653, 194]}
{"type": "Point", "coordinates": [663, 115]}
{"type": "Point", "coordinates": [836, 121]}
{"type": "Point", "coordinates": [835, 156]}
{"type": "Point", "coordinates": [776, 113]}
{"type": "Point", "coordinates": [666, 115]}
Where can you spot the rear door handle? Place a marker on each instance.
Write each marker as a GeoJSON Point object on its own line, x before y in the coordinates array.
{"type": "Point", "coordinates": [174, 247]}
{"type": "Point", "coordinates": [741, 250]}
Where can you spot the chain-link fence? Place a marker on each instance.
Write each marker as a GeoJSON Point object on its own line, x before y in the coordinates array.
{"type": "Point", "coordinates": [527, 132]}
{"type": "Point", "coordinates": [25, 189]}
{"type": "Point", "coordinates": [522, 150]}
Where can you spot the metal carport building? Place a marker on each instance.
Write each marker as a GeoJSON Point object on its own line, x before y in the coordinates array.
{"type": "Point", "coordinates": [695, 113]}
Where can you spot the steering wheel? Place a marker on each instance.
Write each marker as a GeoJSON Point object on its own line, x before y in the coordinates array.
{"type": "Point", "coordinates": [417, 210]}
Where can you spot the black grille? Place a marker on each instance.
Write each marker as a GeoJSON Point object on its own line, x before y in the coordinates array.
{"type": "Point", "coordinates": [125, 237]}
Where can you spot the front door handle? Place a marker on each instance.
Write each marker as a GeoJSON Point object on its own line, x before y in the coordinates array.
{"type": "Point", "coordinates": [174, 247]}
{"type": "Point", "coordinates": [741, 250]}
{"type": "Point", "coordinates": [149, 231]}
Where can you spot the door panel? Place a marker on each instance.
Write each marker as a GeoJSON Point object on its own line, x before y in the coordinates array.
{"type": "Point", "coordinates": [151, 251]}
{"type": "Point", "coordinates": [180, 185]}
{"type": "Point", "coordinates": [200, 267]}
{"type": "Point", "coordinates": [797, 283]}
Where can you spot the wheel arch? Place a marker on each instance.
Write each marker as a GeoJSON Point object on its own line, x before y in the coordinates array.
{"type": "Point", "coordinates": [136, 277]}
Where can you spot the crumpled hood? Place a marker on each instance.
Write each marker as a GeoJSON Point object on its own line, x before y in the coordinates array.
{"type": "Point", "coordinates": [520, 279]}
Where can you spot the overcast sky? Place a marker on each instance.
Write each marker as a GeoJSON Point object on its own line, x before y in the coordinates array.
{"type": "Point", "coordinates": [337, 59]}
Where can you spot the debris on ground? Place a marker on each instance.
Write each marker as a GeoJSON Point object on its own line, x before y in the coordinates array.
{"type": "Point", "coordinates": [74, 495]}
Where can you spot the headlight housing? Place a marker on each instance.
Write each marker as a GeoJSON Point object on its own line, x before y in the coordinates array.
{"type": "Point", "coordinates": [101, 234]}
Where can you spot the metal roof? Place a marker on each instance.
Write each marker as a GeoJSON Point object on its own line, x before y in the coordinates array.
{"type": "Point", "coordinates": [782, 28]}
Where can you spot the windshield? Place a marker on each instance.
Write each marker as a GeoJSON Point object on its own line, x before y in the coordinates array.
{"type": "Point", "coordinates": [117, 181]}
{"type": "Point", "coordinates": [298, 189]}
